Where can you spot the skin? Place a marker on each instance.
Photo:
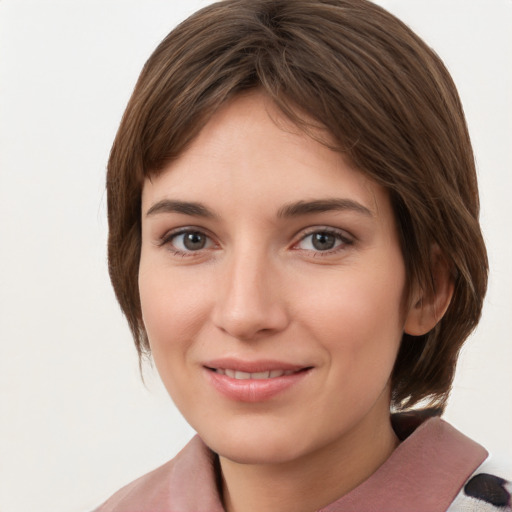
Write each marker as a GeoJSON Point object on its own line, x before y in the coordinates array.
{"type": "Point", "coordinates": [260, 289]}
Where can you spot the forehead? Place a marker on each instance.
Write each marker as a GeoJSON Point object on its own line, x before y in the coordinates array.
{"type": "Point", "coordinates": [250, 155]}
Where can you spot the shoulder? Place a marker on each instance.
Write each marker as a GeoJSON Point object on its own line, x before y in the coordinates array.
{"type": "Point", "coordinates": [185, 483]}
{"type": "Point", "coordinates": [137, 492]}
{"type": "Point", "coordinates": [488, 489]}
{"type": "Point", "coordinates": [457, 472]}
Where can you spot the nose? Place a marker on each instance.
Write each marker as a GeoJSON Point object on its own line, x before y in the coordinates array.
{"type": "Point", "coordinates": [250, 303]}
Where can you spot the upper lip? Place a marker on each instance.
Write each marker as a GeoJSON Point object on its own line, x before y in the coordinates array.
{"type": "Point", "coordinates": [253, 366]}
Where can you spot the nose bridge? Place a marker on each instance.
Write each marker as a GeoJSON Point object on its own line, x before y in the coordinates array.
{"type": "Point", "coordinates": [249, 302]}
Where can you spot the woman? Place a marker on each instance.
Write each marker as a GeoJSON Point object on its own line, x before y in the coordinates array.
{"type": "Point", "coordinates": [294, 239]}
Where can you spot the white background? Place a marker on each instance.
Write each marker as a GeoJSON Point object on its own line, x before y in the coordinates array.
{"type": "Point", "coordinates": [76, 422]}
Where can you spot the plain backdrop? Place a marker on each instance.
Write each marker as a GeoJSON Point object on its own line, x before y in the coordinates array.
{"type": "Point", "coordinates": [76, 422]}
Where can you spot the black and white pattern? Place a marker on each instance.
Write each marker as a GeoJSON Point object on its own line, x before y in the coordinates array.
{"type": "Point", "coordinates": [486, 490]}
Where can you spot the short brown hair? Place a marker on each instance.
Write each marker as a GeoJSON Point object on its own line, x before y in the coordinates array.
{"type": "Point", "coordinates": [389, 104]}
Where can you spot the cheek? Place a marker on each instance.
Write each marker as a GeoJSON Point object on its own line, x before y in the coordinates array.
{"type": "Point", "coordinates": [171, 311]}
{"type": "Point", "coordinates": [357, 315]}
{"type": "Point", "coordinates": [173, 315]}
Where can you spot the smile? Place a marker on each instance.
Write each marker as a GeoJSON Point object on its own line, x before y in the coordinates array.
{"type": "Point", "coordinates": [243, 381]}
{"type": "Point", "coordinates": [240, 375]}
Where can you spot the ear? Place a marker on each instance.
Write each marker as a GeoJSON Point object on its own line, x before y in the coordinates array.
{"type": "Point", "coordinates": [429, 306]}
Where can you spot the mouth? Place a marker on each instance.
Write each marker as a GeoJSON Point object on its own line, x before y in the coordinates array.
{"type": "Point", "coordinates": [241, 375]}
{"type": "Point", "coordinates": [244, 381]}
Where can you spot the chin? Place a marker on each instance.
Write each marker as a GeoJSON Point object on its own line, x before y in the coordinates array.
{"type": "Point", "coordinates": [261, 454]}
{"type": "Point", "coordinates": [255, 448]}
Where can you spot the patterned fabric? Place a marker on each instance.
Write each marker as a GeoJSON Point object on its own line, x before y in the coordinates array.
{"type": "Point", "coordinates": [486, 490]}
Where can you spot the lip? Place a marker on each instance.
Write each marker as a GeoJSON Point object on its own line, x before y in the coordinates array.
{"type": "Point", "coordinates": [253, 389]}
{"type": "Point", "coordinates": [260, 365]}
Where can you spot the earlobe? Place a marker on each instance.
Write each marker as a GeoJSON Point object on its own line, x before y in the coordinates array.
{"type": "Point", "coordinates": [428, 306]}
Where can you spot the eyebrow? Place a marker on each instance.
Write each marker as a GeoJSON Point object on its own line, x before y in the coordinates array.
{"type": "Point", "coordinates": [322, 205]}
{"type": "Point", "coordinates": [185, 207]}
{"type": "Point", "coordinates": [295, 209]}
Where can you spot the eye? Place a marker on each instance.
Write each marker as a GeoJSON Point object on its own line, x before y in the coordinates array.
{"type": "Point", "coordinates": [188, 241]}
{"type": "Point", "coordinates": [323, 241]}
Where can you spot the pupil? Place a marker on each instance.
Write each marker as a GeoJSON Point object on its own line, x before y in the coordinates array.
{"type": "Point", "coordinates": [323, 241]}
{"type": "Point", "coordinates": [194, 241]}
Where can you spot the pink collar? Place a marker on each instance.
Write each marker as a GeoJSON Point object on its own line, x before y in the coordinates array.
{"type": "Point", "coordinates": [423, 474]}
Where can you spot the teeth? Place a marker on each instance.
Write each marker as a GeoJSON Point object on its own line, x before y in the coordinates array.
{"type": "Point", "coordinates": [269, 374]}
{"type": "Point", "coordinates": [260, 375]}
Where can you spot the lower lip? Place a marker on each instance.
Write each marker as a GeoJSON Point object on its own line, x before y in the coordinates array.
{"type": "Point", "coordinates": [254, 390]}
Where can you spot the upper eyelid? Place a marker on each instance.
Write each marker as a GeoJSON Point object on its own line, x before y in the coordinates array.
{"type": "Point", "coordinates": [165, 241]}
{"type": "Point", "coordinates": [169, 234]}
{"type": "Point", "coordinates": [347, 240]}
{"type": "Point", "coordinates": [298, 237]}
{"type": "Point", "coordinates": [323, 229]}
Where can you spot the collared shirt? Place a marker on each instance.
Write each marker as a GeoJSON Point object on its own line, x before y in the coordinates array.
{"type": "Point", "coordinates": [434, 469]}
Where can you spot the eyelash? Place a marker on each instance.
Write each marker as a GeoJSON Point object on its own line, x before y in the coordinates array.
{"type": "Point", "coordinates": [168, 238]}
{"type": "Point", "coordinates": [340, 236]}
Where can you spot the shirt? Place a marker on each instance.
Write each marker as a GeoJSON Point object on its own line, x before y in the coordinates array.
{"type": "Point", "coordinates": [435, 468]}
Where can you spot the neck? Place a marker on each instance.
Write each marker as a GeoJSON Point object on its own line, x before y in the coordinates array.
{"type": "Point", "coordinates": [311, 481]}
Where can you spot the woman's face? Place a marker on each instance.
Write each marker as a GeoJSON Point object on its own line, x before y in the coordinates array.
{"type": "Point", "coordinates": [272, 282]}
